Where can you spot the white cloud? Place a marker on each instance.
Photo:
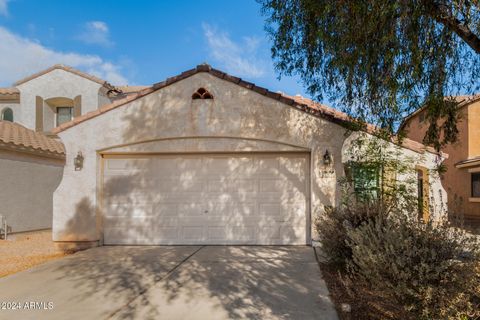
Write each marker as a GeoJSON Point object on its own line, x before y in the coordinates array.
{"type": "Point", "coordinates": [237, 58]}
{"type": "Point", "coordinates": [22, 57]}
{"type": "Point", "coordinates": [3, 7]}
{"type": "Point", "coordinates": [96, 32]}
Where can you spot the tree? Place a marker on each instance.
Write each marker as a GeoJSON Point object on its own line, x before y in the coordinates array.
{"type": "Point", "coordinates": [380, 59]}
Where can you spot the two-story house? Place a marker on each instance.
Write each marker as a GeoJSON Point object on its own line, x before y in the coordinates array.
{"type": "Point", "coordinates": [56, 95]}
{"type": "Point", "coordinates": [462, 178]}
{"type": "Point", "coordinates": [31, 163]}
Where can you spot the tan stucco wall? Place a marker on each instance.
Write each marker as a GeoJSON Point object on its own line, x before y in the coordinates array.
{"type": "Point", "coordinates": [456, 181]}
{"type": "Point", "coordinates": [56, 83]}
{"type": "Point", "coordinates": [235, 112]}
{"type": "Point", "coordinates": [474, 130]}
{"type": "Point", "coordinates": [27, 184]}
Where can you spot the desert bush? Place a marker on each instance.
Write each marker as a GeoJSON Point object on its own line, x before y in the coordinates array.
{"type": "Point", "coordinates": [332, 229]}
{"type": "Point", "coordinates": [432, 271]}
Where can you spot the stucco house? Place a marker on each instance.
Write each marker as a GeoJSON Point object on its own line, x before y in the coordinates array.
{"type": "Point", "coordinates": [31, 164]}
{"type": "Point", "coordinates": [31, 167]}
{"type": "Point", "coordinates": [208, 158]}
{"type": "Point", "coordinates": [462, 178]}
{"type": "Point", "coordinates": [56, 95]}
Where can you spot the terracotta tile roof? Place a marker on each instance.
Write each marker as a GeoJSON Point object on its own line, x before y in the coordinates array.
{"type": "Point", "coordinates": [9, 94]}
{"type": "Point", "coordinates": [370, 128]}
{"type": "Point", "coordinates": [306, 105]}
{"type": "Point", "coordinates": [17, 137]}
{"type": "Point", "coordinates": [65, 68]}
{"type": "Point", "coordinates": [131, 89]}
{"type": "Point", "coordinates": [9, 90]}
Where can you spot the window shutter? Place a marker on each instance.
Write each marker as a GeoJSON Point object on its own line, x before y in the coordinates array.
{"type": "Point", "coordinates": [38, 114]}
{"type": "Point", "coordinates": [77, 106]}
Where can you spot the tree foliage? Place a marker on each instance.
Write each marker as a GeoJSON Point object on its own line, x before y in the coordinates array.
{"type": "Point", "coordinates": [379, 59]}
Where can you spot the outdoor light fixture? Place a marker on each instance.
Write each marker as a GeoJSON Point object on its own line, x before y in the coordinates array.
{"type": "Point", "coordinates": [78, 161]}
{"type": "Point", "coordinates": [327, 158]}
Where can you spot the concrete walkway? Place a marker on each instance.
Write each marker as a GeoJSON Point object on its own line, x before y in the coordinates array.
{"type": "Point", "coordinates": [172, 282]}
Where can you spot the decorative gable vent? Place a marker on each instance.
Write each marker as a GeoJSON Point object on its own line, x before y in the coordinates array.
{"type": "Point", "coordinates": [202, 93]}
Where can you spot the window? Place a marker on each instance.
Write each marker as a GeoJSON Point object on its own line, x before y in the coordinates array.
{"type": "Point", "coordinates": [7, 115]}
{"type": "Point", "coordinates": [476, 185]}
{"type": "Point", "coordinates": [202, 93]}
{"type": "Point", "coordinates": [64, 114]}
{"type": "Point", "coordinates": [366, 180]}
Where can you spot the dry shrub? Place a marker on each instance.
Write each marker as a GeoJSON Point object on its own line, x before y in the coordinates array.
{"type": "Point", "coordinates": [431, 271]}
{"type": "Point", "coordinates": [332, 228]}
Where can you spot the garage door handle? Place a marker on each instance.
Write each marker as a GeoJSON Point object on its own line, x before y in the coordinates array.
{"type": "Point", "coordinates": [206, 211]}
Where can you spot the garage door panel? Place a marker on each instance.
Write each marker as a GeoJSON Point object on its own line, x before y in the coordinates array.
{"type": "Point", "coordinates": [193, 165]}
{"type": "Point", "coordinates": [165, 209]}
{"type": "Point", "coordinates": [190, 209]}
{"type": "Point", "coordinates": [217, 208]}
{"type": "Point", "coordinates": [217, 233]}
{"type": "Point", "coordinates": [206, 199]}
{"type": "Point", "coordinates": [269, 232]}
{"type": "Point", "coordinates": [243, 209]}
{"type": "Point", "coordinates": [218, 185]}
{"type": "Point", "coordinates": [244, 185]}
{"type": "Point", "coordinates": [165, 233]}
{"type": "Point", "coordinates": [135, 222]}
{"type": "Point", "coordinates": [165, 166]}
{"type": "Point", "coordinates": [128, 210]}
{"type": "Point", "coordinates": [231, 233]}
{"type": "Point", "coordinates": [193, 233]}
{"type": "Point", "coordinates": [179, 184]}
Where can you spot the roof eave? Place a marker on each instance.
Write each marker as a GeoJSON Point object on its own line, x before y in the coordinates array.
{"type": "Point", "coordinates": [32, 151]}
{"type": "Point", "coordinates": [66, 69]}
{"type": "Point", "coordinates": [332, 116]}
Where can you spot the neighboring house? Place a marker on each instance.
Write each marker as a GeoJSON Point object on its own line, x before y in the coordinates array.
{"type": "Point", "coordinates": [31, 167]}
{"type": "Point", "coordinates": [56, 95]}
{"type": "Point", "coordinates": [207, 158]}
{"type": "Point", "coordinates": [462, 178]}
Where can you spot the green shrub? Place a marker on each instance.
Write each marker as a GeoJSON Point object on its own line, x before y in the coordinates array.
{"type": "Point", "coordinates": [431, 271]}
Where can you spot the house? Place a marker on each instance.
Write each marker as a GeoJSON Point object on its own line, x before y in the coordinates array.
{"type": "Point", "coordinates": [208, 158]}
{"type": "Point", "coordinates": [31, 164]}
{"type": "Point", "coordinates": [31, 167]}
{"type": "Point", "coordinates": [462, 178]}
{"type": "Point", "coordinates": [56, 95]}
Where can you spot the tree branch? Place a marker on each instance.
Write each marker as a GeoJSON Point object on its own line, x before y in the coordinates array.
{"type": "Point", "coordinates": [442, 15]}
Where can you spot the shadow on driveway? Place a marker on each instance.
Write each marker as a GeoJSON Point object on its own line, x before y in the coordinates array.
{"type": "Point", "coordinates": [175, 282]}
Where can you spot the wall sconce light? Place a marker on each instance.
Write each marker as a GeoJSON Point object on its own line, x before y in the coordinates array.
{"type": "Point", "coordinates": [78, 161]}
{"type": "Point", "coordinates": [327, 158]}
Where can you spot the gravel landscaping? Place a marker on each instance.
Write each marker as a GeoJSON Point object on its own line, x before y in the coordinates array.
{"type": "Point", "coordinates": [23, 251]}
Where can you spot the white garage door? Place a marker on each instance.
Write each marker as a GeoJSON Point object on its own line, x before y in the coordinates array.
{"type": "Point", "coordinates": [206, 199]}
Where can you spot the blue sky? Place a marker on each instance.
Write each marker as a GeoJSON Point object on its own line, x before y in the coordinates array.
{"type": "Point", "coordinates": [137, 42]}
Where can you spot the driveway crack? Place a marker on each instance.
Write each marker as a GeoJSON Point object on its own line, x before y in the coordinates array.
{"type": "Point", "coordinates": [168, 274]}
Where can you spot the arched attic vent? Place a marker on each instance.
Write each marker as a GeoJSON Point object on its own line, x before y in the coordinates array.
{"type": "Point", "coordinates": [202, 93]}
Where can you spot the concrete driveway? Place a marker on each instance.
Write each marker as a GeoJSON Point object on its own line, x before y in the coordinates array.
{"type": "Point", "coordinates": [172, 282]}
